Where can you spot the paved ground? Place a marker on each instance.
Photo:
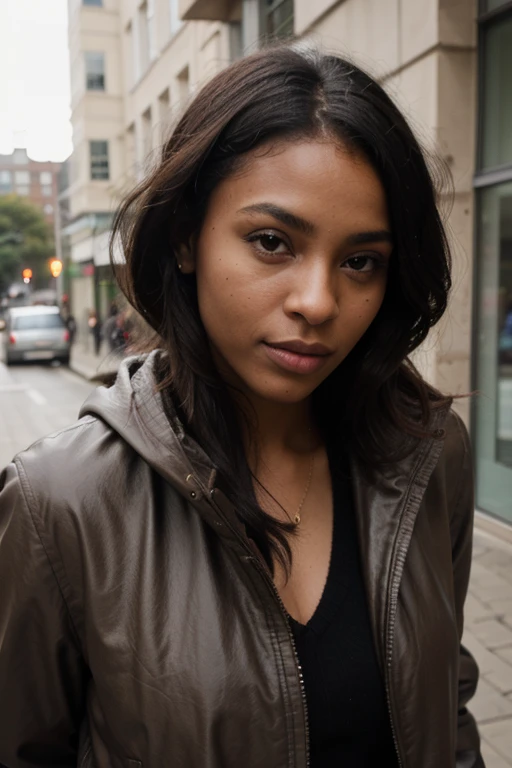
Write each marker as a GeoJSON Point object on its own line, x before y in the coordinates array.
{"type": "Point", "coordinates": [488, 635]}
{"type": "Point", "coordinates": [36, 400]}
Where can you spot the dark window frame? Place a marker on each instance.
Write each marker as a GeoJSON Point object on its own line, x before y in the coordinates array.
{"type": "Point", "coordinates": [483, 179]}
{"type": "Point", "coordinates": [95, 81]}
{"type": "Point", "coordinates": [99, 162]}
{"type": "Point", "coordinates": [265, 13]}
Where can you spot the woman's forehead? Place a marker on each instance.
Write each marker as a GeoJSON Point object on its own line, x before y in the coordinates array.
{"type": "Point", "coordinates": [312, 179]}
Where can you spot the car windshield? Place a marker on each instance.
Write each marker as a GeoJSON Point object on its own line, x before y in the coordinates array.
{"type": "Point", "coordinates": [37, 322]}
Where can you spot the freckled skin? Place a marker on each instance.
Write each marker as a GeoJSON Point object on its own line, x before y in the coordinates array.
{"type": "Point", "coordinates": [304, 290]}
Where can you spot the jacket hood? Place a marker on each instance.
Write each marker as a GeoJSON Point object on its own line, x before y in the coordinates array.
{"type": "Point", "coordinates": [133, 408]}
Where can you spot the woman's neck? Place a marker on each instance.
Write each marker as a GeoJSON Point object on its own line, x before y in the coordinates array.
{"type": "Point", "coordinates": [278, 430]}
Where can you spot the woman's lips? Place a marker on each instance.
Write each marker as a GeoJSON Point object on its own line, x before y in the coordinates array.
{"type": "Point", "coordinates": [295, 361]}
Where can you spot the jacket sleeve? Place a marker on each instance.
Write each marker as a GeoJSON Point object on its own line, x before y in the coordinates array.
{"type": "Point", "coordinates": [42, 674]}
{"type": "Point", "coordinates": [468, 739]}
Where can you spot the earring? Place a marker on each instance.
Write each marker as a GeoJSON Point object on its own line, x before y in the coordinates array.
{"type": "Point", "coordinates": [179, 267]}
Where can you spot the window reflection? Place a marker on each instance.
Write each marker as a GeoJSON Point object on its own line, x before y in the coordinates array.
{"type": "Point", "coordinates": [504, 429]}
{"type": "Point", "coordinates": [494, 351]}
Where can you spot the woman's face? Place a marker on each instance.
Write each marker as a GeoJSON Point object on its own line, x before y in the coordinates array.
{"type": "Point", "coordinates": [291, 266]}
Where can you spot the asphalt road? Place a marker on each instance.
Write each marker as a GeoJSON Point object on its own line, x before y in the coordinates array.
{"type": "Point", "coordinates": [36, 400]}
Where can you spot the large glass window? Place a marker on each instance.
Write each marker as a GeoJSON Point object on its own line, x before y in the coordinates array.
{"type": "Point", "coordinates": [493, 334]}
{"type": "Point", "coordinates": [494, 351]}
{"type": "Point", "coordinates": [94, 70]}
{"type": "Point", "coordinates": [99, 160]}
{"type": "Point", "coordinates": [497, 94]}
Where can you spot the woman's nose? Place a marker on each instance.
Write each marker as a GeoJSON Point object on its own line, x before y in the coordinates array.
{"type": "Point", "coordinates": [312, 295]}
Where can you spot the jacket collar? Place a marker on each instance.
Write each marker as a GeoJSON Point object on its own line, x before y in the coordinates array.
{"type": "Point", "coordinates": [386, 500]}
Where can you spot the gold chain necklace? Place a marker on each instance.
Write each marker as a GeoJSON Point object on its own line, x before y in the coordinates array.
{"type": "Point", "coordinates": [297, 518]}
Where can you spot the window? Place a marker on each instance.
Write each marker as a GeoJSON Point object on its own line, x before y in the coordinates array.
{"type": "Point", "coordinates": [164, 112]}
{"type": "Point", "coordinates": [146, 33]}
{"type": "Point", "coordinates": [37, 322]}
{"type": "Point", "coordinates": [496, 104]}
{"type": "Point", "coordinates": [174, 14]}
{"type": "Point", "coordinates": [46, 190]}
{"type": "Point", "coordinates": [492, 5]}
{"type": "Point", "coordinates": [5, 182]}
{"type": "Point", "coordinates": [277, 18]}
{"type": "Point", "coordinates": [492, 351]}
{"type": "Point", "coordinates": [147, 133]}
{"type": "Point", "coordinates": [22, 181]}
{"type": "Point", "coordinates": [95, 71]}
{"type": "Point", "coordinates": [93, 2]}
{"type": "Point", "coordinates": [183, 83]}
{"type": "Point", "coordinates": [131, 59]}
{"type": "Point", "coordinates": [99, 160]}
{"type": "Point", "coordinates": [45, 177]}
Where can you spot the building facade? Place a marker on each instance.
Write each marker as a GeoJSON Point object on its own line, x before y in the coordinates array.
{"type": "Point", "coordinates": [19, 175]}
{"type": "Point", "coordinates": [135, 64]}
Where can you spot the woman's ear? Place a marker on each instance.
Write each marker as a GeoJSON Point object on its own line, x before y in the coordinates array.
{"type": "Point", "coordinates": [186, 259]}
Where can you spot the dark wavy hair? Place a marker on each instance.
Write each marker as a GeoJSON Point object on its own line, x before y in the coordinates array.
{"type": "Point", "coordinates": [375, 398]}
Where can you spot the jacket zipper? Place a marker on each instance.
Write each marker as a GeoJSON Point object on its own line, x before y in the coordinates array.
{"type": "Point", "coordinates": [396, 577]}
{"type": "Point", "coordinates": [389, 659]}
{"type": "Point", "coordinates": [265, 575]}
{"type": "Point", "coordinates": [276, 594]}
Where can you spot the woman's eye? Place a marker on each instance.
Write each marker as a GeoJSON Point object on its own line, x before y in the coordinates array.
{"type": "Point", "coordinates": [268, 243]}
{"type": "Point", "coordinates": [363, 263]}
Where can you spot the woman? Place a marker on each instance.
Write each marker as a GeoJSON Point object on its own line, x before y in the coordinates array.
{"type": "Point", "coordinates": [254, 549]}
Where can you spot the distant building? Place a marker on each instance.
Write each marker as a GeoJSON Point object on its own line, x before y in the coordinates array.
{"type": "Point", "coordinates": [28, 178]}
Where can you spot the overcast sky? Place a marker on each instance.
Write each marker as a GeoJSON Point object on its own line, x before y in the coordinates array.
{"type": "Point", "coordinates": [34, 78]}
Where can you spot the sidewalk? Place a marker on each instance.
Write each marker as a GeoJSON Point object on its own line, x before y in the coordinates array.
{"type": "Point", "coordinates": [88, 365]}
{"type": "Point", "coordinates": [488, 635]}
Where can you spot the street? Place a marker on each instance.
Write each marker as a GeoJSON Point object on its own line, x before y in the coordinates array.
{"type": "Point", "coordinates": [36, 400]}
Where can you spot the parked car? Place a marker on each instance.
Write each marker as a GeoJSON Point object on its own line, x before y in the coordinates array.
{"type": "Point", "coordinates": [36, 333]}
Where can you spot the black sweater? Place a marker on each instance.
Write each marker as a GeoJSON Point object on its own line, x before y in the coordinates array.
{"type": "Point", "coordinates": [348, 714]}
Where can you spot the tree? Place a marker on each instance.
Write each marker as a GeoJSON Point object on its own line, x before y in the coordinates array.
{"type": "Point", "coordinates": [26, 240]}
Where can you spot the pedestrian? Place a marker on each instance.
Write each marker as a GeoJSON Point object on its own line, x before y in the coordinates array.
{"type": "Point", "coordinates": [94, 324]}
{"type": "Point", "coordinates": [71, 326]}
{"type": "Point", "coordinates": [254, 549]}
{"type": "Point", "coordinates": [110, 328]}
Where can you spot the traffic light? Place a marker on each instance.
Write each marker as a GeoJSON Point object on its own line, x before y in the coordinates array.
{"type": "Point", "coordinates": [55, 267]}
{"type": "Point", "coordinates": [27, 276]}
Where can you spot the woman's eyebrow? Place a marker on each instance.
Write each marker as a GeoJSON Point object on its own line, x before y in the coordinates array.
{"type": "Point", "coordinates": [282, 215]}
{"type": "Point", "coordinates": [308, 228]}
{"type": "Point", "coordinates": [376, 236]}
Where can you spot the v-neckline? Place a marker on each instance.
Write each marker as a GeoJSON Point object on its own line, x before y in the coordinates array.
{"type": "Point", "coordinates": [331, 597]}
{"type": "Point", "coordinates": [317, 621]}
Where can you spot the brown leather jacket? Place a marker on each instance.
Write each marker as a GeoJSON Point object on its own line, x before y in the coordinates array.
{"type": "Point", "coordinates": [138, 627]}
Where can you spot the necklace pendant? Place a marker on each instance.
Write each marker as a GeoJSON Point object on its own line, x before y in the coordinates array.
{"type": "Point", "coordinates": [296, 519]}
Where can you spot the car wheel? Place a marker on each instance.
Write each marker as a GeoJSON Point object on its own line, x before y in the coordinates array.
{"type": "Point", "coordinates": [64, 360]}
